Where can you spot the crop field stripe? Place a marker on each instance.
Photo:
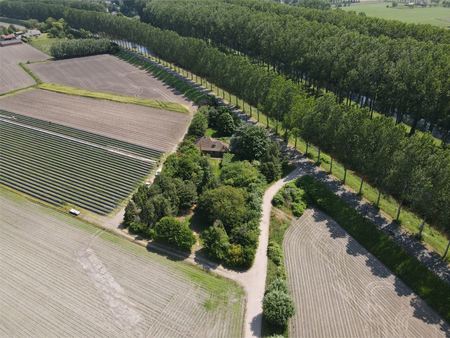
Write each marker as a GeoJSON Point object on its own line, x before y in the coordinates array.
{"type": "Point", "coordinates": [102, 140]}
{"type": "Point", "coordinates": [59, 170]}
{"type": "Point", "coordinates": [76, 149]}
{"type": "Point", "coordinates": [88, 188]}
{"type": "Point", "coordinates": [82, 171]}
{"type": "Point", "coordinates": [66, 143]}
{"type": "Point", "coordinates": [68, 192]}
{"type": "Point", "coordinates": [77, 140]}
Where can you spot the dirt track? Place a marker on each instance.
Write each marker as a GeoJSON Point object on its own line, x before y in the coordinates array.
{"type": "Point", "coordinates": [153, 128]}
{"type": "Point", "coordinates": [12, 76]}
{"type": "Point", "coordinates": [108, 74]}
{"type": "Point", "coordinates": [341, 290]}
{"type": "Point", "coordinates": [60, 277]}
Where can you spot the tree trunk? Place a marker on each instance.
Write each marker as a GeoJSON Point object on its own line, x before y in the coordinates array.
{"type": "Point", "coordinates": [267, 121]}
{"type": "Point", "coordinates": [295, 142]}
{"type": "Point", "coordinates": [345, 175]}
{"type": "Point", "coordinates": [397, 218]}
{"type": "Point", "coordinates": [421, 227]}
{"type": "Point", "coordinates": [257, 112]}
{"type": "Point", "coordinates": [446, 250]}
{"type": "Point", "coordinates": [331, 165]}
{"type": "Point", "coordinates": [318, 155]}
{"type": "Point", "coordinates": [361, 186]}
{"type": "Point", "coordinates": [251, 111]}
{"type": "Point", "coordinates": [378, 199]}
{"type": "Point", "coordinates": [307, 147]}
{"type": "Point", "coordinates": [413, 127]}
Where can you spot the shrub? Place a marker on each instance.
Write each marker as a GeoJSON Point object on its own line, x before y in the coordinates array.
{"type": "Point", "coordinates": [224, 203]}
{"type": "Point", "coordinates": [174, 232]}
{"type": "Point", "coordinates": [278, 308]}
{"type": "Point", "coordinates": [240, 174]}
{"type": "Point", "coordinates": [138, 228]}
{"type": "Point", "coordinates": [275, 253]}
{"type": "Point", "coordinates": [250, 142]}
{"type": "Point", "coordinates": [198, 125]}
{"type": "Point", "coordinates": [278, 284]}
{"type": "Point", "coordinates": [225, 124]}
{"type": "Point", "coordinates": [216, 241]}
{"type": "Point", "coordinates": [298, 208]}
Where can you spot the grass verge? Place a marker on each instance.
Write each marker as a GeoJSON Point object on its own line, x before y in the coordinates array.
{"type": "Point", "coordinates": [410, 222]}
{"type": "Point", "coordinates": [416, 275]}
{"type": "Point", "coordinates": [44, 43]}
{"type": "Point", "coordinates": [175, 107]}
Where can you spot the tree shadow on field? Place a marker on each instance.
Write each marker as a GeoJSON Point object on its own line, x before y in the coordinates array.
{"type": "Point", "coordinates": [423, 312]}
{"type": "Point", "coordinates": [334, 230]}
{"type": "Point", "coordinates": [169, 253]}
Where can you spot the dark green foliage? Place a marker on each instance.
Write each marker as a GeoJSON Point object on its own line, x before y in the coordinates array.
{"type": "Point", "coordinates": [416, 275]}
{"type": "Point", "coordinates": [271, 163]}
{"type": "Point", "coordinates": [80, 47]}
{"type": "Point", "coordinates": [278, 284]}
{"type": "Point", "coordinates": [187, 194]}
{"type": "Point", "coordinates": [131, 214]}
{"type": "Point", "coordinates": [291, 198]}
{"type": "Point", "coordinates": [225, 124]}
{"type": "Point", "coordinates": [138, 228]}
{"type": "Point", "coordinates": [198, 125]}
{"type": "Point", "coordinates": [275, 253]}
{"type": "Point", "coordinates": [216, 241]}
{"type": "Point", "coordinates": [224, 203]}
{"type": "Point", "coordinates": [240, 174]}
{"type": "Point", "coordinates": [174, 232]}
{"type": "Point", "coordinates": [278, 307]}
{"type": "Point", "coordinates": [250, 142]}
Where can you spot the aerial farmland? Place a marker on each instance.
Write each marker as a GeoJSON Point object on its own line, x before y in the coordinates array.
{"type": "Point", "coordinates": [11, 74]}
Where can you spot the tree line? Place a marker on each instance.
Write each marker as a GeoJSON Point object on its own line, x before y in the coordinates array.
{"type": "Point", "coordinates": [401, 77]}
{"type": "Point", "coordinates": [81, 47]}
{"type": "Point", "coordinates": [350, 20]}
{"type": "Point", "coordinates": [412, 169]}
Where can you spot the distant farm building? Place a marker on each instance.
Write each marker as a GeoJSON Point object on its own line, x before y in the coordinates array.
{"type": "Point", "coordinates": [211, 146]}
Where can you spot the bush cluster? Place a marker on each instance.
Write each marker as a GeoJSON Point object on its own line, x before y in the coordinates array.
{"type": "Point", "coordinates": [278, 306]}
{"type": "Point", "coordinates": [291, 198]}
{"type": "Point", "coordinates": [81, 47]}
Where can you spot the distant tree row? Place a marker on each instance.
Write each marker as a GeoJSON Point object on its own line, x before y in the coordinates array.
{"type": "Point", "coordinates": [350, 20]}
{"type": "Point", "coordinates": [413, 169]}
{"type": "Point", "coordinates": [393, 76]}
{"type": "Point", "coordinates": [80, 47]}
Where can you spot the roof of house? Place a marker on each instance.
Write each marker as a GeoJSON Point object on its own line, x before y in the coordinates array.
{"type": "Point", "coordinates": [210, 144]}
{"type": "Point", "coordinates": [7, 36]}
{"type": "Point", "coordinates": [9, 43]}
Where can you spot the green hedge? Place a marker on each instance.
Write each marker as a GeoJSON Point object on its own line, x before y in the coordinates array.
{"type": "Point", "coordinates": [422, 281]}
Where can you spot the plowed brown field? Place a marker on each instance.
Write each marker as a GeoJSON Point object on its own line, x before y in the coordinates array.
{"type": "Point", "coordinates": [60, 277]}
{"type": "Point", "coordinates": [341, 290]}
{"type": "Point", "coordinates": [148, 127]}
{"type": "Point", "coordinates": [106, 73]}
{"type": "Point", "coordinates": [12, 76]}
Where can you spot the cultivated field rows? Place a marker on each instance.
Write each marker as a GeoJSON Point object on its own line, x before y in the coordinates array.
{"type": "Point", "coordinates": [151, 128]}
{"type": "Point", "coordinates": [59, 280]}
{"type": "Point", "coordinates": [106, 73]}
{"type": "Point", "coordinates": [12, 76]}
{"type": "Point", "coordinates": [58, 170]}
{"type": "Point", "coordinates": [341, 290]}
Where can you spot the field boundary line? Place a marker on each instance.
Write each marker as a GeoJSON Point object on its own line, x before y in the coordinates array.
{"type": "Point", "coordinates": [70, 138]}
{"type": "Point", "coordinates": [151, 103]}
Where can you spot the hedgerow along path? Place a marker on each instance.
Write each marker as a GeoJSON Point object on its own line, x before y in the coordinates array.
{"type": "Point", "coordinates": [65, 166]}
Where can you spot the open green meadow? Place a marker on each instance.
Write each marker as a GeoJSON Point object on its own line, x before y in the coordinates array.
{"type": "Point", "coordinates": [437, 16]}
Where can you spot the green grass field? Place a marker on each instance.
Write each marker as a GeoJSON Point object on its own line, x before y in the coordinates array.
{"type": "Point", "coordinates": [43, 43]}
{"type": "Point", "coordinates": [437, 16]}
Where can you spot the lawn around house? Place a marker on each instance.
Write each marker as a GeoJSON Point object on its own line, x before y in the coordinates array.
{"type": "Point", "coordinates": [432, 238]}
